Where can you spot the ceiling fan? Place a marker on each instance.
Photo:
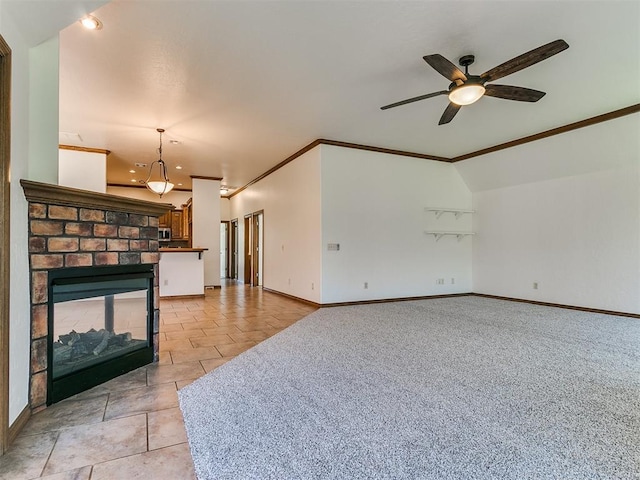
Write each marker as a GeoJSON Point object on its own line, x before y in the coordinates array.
{"type": "Point", "coordinates": [466, 89]}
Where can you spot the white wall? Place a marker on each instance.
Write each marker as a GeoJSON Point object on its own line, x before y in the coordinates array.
{"type": "Point", "coordinates": [84, 170]}
{"type": "Point", "coordinates": [19, 323]}
{"type": "Point", "coordinates": [43, 111]}
{"type": "Point", "coordinates": [373, 206]}
{"type": "Point", "coordinates": [225, 209]}
{"type": "Point", "coordinates": [576, 235]}
{"type": "Point", "coordinates": [290, 198]}
{"type": "Point", "coordinates": [206, 226]}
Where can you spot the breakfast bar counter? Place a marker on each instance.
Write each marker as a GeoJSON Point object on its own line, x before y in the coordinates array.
{"type": "Point", "coordinates": [181, 271]}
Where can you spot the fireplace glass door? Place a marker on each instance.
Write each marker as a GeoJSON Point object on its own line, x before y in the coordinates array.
{"type": "Point", "coordinates": [101, 329]}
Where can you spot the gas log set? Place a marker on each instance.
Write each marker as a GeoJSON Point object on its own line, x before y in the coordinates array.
{"type": "Point", "coordinates": [73, 350]}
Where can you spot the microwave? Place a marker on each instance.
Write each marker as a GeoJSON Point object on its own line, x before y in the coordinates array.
{"type": "Point", "coordinates": [164, 234]}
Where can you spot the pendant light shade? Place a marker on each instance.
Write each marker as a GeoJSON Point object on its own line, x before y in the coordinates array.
{"type": "Point", "coordinates": [159, 183]}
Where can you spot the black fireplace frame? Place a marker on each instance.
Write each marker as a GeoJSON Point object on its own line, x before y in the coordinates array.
{"type": "Point", "coordinates": [86, 378]}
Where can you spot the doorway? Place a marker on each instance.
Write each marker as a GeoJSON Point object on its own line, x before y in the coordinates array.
{"type": "Point", "coordinates": [224, 249]}
{"type": "Point", "coordinates": [233, 249]}
{"type": "Point", "coordinates": [5, 151]}
{"type": "Point", "coordinates": [253, 242]}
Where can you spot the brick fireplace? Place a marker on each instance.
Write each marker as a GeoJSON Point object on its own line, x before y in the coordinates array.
{"type": "Point", "coordinates": [87, 232]}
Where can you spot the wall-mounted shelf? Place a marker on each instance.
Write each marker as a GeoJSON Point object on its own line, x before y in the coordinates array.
{"type": "Point", "coordinates": [458, 212]}
{"type": "Point", "coordinates": [439, 235]}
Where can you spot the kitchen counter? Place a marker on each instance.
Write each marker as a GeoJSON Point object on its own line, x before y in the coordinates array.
{"type": "Point", "coordinates": [181, 271]}
{"type": "Point", "coordinates": [182, 250]}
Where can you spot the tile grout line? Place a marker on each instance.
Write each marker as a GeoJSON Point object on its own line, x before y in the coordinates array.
{"type": "Point", "coordinates": [44, 467]}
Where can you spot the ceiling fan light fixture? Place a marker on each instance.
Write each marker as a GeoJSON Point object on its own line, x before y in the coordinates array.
{"type": "Point", "coordinates": [161, 184]}
{"type": "Point", "coordinates": [466, 94]}
{"type": "Point", "coordinates": [91, 23]}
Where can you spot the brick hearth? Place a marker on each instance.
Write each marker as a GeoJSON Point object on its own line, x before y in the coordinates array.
{"type": "Point", "coordinates": [76, 228]}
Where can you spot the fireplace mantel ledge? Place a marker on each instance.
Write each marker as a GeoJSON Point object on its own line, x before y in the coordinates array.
{"type": "Point", "coordinates": [74, 197]}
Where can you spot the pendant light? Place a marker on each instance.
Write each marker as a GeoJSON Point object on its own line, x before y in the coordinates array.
{"type": "Point", "coordinates": [162, 185]}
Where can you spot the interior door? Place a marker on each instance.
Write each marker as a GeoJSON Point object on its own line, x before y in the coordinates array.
{"type": "Point", "coordinates": [255, 250]}
{"type": "Point", "coordinates": [224, 249]}
{"type": "Point", "coordinates": [233, 256]}
{"type": "Point", "coordinates": [247, 249]}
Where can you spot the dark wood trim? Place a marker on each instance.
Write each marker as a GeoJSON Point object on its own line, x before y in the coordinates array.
{"type": "Point", "coordinates": [257, 249]}
{"type": "Point", "coordinates": [289, 159]}
{"type": "Point", "coordinates": [19, 423]}
{"type": "Point", "coordinates": [531, 138]}
{"type": "Point", "coordinates": [402, 153]}
{"type": "Point", "coordinates": [74, 197]}
{"type": "Point", "coordinates": [84, 149]}
{"type": "Point", "coordinates": [324, 141]}
{"type": "Point", "coordinates": [205, 178]}
{"type": "Point", "coordinates": [227, 247]}
{"type": "Point", "coordinates": [554, 131]}
{"type": "Point", "coordinates": [247, 229]}
{"type": "Point", "coordinates": [364, 302]}
{"type": "Point", "coordinates": [234, 229]}
{"type": "Point", "coordinates": [389, 300]}
{"type": "Point", "coordinates": [5, 239]}
{"type": "Point", "coordinates": [132, 185]}
{"type": "Point", "coordinates": [559, 305]}
{"type": "Point", "coordinates": [292, 297]}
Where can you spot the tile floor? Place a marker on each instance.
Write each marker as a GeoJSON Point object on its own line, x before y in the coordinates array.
{"type": "Point", "coordinates": [131, 427]}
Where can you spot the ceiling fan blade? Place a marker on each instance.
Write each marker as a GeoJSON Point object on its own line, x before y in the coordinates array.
{"type": "Point", "coordinates": [449, 113]}
{"type": "Point", "coordinates": [414, 99]}
{"type": "Point", "coordinates": [445, 68]}
{"type": "Point", "coordinates": [525, 60]}
{"type": "Point", "coordinates": [509, 92]}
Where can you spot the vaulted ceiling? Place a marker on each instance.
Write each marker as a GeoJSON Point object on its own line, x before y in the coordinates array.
{"type": "Point", "coordinates": [242, 85]}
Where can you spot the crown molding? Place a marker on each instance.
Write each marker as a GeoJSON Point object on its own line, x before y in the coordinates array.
{"type": "Point", "coordinates": [84, 149]}
{"type": "Point", "coordinates": [550, 133]}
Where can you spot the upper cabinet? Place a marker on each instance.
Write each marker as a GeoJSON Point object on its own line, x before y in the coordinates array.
{"type": "Point", "coordinates": [176, 225]}
{"type": "Point", "coordinates": [164, 221]}
{"type": "Point", "coordinates": [187, 215]}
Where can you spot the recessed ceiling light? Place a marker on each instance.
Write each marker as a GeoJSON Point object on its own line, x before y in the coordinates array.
{"type": "Point", "coordinates": [91, 23]}
{"type": "Point", "coordinates": [174, 142]}
{"type": "Point", "coordinates": [133, 180]}
{"type": "Point", "coordinates": [178, 167]}
{"type": "Point", "coordinates": [132, 171]}
{"type": "Point", "coordinates": [179, 184]}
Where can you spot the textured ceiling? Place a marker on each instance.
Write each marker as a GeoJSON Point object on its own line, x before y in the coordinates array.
{"type": "Point", "coordinates": [242, 85]}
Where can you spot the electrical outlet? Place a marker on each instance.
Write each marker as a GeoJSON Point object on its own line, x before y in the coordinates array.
{"type": "Point", "coordinates": [535, 285]}
{"type": "Point", "coordinates": [440, 281]}
{"type": "Point", "coordinates": [289, 281]}
{"type": "Point", "coordinates": [366, 285]}
{"type": "Point", "coordinates": [312, 285]}
{"type": "Point", "coordinates": [453, 281]}
{"type": "Point", "coordinates": [166, 282]}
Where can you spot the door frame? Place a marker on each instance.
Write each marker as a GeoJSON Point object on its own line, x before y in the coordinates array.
{"type": "Point", "coordinates": [253, 249]}
{"type": "Point", "coordinates": [233, 250]}
{"type": "Point", "coordinates": [226, 242]}
{"type": "Point", "coordinates": [247, 249]}
{"type": "Point", "coordinates": [5, 255]}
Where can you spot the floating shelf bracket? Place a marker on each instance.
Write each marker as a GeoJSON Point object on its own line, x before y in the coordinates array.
{"type": "Point", "coordinates": [439, 235]}
{"type": "Point", "coordinates": [458, 212]}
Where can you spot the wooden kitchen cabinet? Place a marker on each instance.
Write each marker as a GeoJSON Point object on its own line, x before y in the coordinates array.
{"type": "Point", "coordinates": [164, 221]}
{"type": "Point", "coordinates": [187, 210]}
{"type": "Point", "coordinates": [176, 225]}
